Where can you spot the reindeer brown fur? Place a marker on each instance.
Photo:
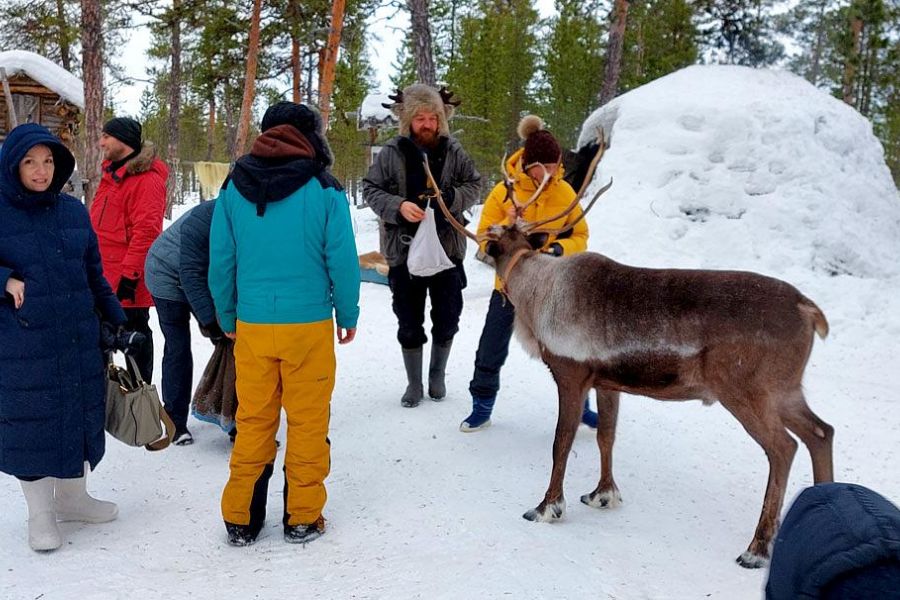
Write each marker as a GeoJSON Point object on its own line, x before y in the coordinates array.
{"type": "Point", "coordinates": [738, 338]}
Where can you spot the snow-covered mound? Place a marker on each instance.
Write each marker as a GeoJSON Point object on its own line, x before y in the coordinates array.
{"type": "Point", "coordinates": [45, 72]}
{"type": "Point", "coordinates": [731, 167]}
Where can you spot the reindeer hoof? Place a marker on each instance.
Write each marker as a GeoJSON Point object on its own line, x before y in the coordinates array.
{"type": "Point", "coordinates": [552, 512]}
{"type": "Point", "coordinates": [749, 560]}
{"type": "Point", "coordinates": [608, 499]}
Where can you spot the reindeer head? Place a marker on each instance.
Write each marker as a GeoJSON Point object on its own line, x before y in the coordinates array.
{"type": "Point", "coordinates": [521, 235]}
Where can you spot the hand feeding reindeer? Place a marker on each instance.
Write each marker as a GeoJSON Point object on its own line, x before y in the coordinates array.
{"type": "Point", "coordinates": [739, 338]}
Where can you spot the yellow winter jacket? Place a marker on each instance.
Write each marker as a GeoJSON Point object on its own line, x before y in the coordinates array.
{"type": "Point", "coordinates": [557, 195]}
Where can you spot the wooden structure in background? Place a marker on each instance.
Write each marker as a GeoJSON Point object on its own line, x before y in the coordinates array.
{"type": "Point", "coordinates": [26, 100]}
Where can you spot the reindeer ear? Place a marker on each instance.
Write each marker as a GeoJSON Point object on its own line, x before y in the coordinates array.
{"type": "Point", "coordinates": [538, 240]}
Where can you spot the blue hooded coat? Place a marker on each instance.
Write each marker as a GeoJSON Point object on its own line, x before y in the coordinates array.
{"type": "Point", "coordinates": [52, 370]}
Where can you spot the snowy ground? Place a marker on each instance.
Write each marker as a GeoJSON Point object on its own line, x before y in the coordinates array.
{"type": "Point", "coordinates": [419, 510]}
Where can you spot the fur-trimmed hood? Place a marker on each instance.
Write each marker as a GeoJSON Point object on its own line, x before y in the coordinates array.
{"type": "Point", "coordinates": [143, 161]}
{"type": "Point", "coordinates": [418, 97]}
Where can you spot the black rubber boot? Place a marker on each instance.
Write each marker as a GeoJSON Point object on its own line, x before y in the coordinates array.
{"type": "Point", "coordinates": [436, 371]}
{"type": "Point", "coordinates": [412, 360]}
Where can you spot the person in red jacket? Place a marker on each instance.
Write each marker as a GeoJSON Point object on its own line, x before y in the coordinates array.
{"type": "Point", "coordinates": [127, 214]}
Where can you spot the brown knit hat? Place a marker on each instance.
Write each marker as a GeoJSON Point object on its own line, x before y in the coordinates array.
{"type": "Point", "coordinates": [540, 145]}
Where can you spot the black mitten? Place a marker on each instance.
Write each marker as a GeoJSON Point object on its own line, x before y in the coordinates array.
{"type": "Point", "coordinates": [127, 289]}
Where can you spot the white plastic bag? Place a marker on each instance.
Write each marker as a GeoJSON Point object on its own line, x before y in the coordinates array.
{"type": "Point", "coordinates": [426, 255]}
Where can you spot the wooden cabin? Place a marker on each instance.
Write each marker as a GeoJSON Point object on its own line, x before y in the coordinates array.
{"type": "Point", "coordinates": [37, 90]}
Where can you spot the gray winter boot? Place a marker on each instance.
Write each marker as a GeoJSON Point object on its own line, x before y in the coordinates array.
{"type": "Point", "coordinates": [43, 532]}
{"type": "Point", "coordinates": [412, 360]}
{"type": "Point", "coordinates": [439, 355]}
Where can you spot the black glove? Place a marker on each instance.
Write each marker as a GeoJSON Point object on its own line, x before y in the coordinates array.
{"type": "Point", "coordinates": [130, 342]}
{"type": "Point", "coordinates": [127, 289]}
{"type": "Point", "coordinates": [554, 249]}
{"type": "Point", "coordinates": [108, 337]}
{"type": "Point", "coordinates": [114, 338]}
{"type": "Point", "coordinates": [212, 332]}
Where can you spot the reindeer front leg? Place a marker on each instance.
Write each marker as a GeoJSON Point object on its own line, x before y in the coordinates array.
{"type": "Point", "coordinates": [572, 385]}
{"type": "Point", "coordinates": [606, 495]}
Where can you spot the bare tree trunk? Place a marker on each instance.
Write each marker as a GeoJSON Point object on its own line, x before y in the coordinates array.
{"type": "Point", "coordinates": [64, 51]}
{"type": "Point", "coordinates": [421, 36]}
{"type": "Point", "coordinates": [174, 106]}
{"type": "Point", "coordinates": [92, 71]}
{"type": "Point", "coordinates": [820, 43]}
{"type": "Point", "coordinates": [614, 53]}
{"type": "Point", "coordinates": [230, 125]}
{"type": "Point", "coordinates": [211, 128]}
{"type": "Point", "coordinates": [329, 61]}
{"type": "Point", "coordinates": [249, 83]}
{"type": "Point", "coordinates": [850, 64]}
{"type": "Point", "coordinates": [296, 68]}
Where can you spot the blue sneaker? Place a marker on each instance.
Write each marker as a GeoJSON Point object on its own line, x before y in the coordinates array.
{"type": "Point", "coordinates": [480, 417]}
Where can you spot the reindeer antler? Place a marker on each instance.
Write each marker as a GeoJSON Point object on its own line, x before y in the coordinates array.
{"type": "Point", "coordinates": [509, 182]}
{"type": "Point", "coordinates": [531, 227]}
{"type": "Point", "coordinates": [450, 219]}
{"type": "Point", "coordinates": [397, 98]}
{"type": "Point", "coordinates": [447, 97]}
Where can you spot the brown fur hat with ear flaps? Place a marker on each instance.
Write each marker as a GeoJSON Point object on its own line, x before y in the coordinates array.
{"type": "Point", "coordinates": [421, 97]}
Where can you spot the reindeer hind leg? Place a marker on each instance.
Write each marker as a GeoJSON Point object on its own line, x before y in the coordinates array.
{"type": "Point", "coordinates": [606, 494]}
{"type": "Point", "coordinates": [816, 434]}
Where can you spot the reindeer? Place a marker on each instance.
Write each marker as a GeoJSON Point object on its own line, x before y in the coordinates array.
{"type": "Point", "coordinates": [737, 338]}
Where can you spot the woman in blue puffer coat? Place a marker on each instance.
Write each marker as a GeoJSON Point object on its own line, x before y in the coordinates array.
{"type": "Point", "coordinates": [52, 369]}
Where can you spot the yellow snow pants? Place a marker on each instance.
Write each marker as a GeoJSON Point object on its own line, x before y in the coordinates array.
{"type": "Point", "coordinates": [290, 366]}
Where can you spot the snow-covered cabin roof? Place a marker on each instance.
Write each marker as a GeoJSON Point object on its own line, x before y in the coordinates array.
{"type": "Point", "coordinates": [373, 114]}
{"type": "Point", "coordinates": [45, 72]}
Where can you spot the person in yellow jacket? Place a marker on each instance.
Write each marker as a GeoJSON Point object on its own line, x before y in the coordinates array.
{"type": "Point", "coordinates": [540, 154]}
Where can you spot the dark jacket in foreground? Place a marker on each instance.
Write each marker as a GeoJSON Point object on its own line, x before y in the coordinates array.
{"type": "Point", "coordinates": [838, 541]}
{"type": "Point", "coordinates": [52, 383]}
{"type": "Point", "coordinates": [385, 188]}
{"type": "Point", "coordinates": [178, 263]}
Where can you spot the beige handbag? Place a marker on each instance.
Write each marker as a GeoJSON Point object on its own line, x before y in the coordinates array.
{"type": "Point", "coordinates": [134, 414]}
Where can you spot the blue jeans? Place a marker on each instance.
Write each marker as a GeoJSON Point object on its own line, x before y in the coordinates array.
{"type": "Point", "coordinates": [177, 362]}
{"type": "Point", "coordinates": [493, 347]}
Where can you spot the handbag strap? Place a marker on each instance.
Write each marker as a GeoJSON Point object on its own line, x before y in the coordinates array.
{"type": "Point", "coordinates": [163, 442]}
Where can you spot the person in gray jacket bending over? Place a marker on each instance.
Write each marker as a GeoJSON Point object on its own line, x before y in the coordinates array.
{"type": "Point", "coordinates": [175, 273]}
{"type": "Point", "coordinates": [396, 188]}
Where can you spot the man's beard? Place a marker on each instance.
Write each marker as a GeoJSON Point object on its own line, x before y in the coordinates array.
{"type": "Point", "coordinates": [426, 137]}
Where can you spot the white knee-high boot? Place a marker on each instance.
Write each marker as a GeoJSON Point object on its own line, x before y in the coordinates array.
{"type": "Point", "coordinates": [74, 504]}
{"type": "Point", "coordinates": [43, 533]}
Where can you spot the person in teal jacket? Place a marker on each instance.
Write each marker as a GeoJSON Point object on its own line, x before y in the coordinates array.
{"type": "Point", "coordinates": [283, 267]}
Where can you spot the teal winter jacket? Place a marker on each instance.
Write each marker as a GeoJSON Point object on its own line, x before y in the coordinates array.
{"type": "Point", "coordinates": [283, 260]}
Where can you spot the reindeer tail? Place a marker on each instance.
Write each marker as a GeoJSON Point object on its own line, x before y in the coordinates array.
{"type": "Point", "coordinates": [809, 308]}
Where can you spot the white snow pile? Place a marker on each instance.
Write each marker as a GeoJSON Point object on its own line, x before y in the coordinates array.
{"type": "Point", "coordinates": [782, 174]}
{"type": "Point", "coordinates": [45, 72]}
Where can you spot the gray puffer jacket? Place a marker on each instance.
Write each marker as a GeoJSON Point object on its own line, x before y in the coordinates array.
{"type": "Point", "coordinates": [384, 189]}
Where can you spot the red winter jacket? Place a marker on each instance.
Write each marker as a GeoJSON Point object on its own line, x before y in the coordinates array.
{"type": "Point", "coordinates": [127, 214]}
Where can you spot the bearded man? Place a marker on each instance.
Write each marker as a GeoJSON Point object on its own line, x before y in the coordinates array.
{"type": "Point", "coordinates": [396, 189]}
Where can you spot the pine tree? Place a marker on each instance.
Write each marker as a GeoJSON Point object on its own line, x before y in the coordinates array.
{"type": "Point", "coordinates": [572, 60]}
{"type": "Point", "coordinates": [493, 74]}
{"type": "Point", "coordinates": [740, 32]}
{"type": "Point", "coordinates": [661, 38]}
